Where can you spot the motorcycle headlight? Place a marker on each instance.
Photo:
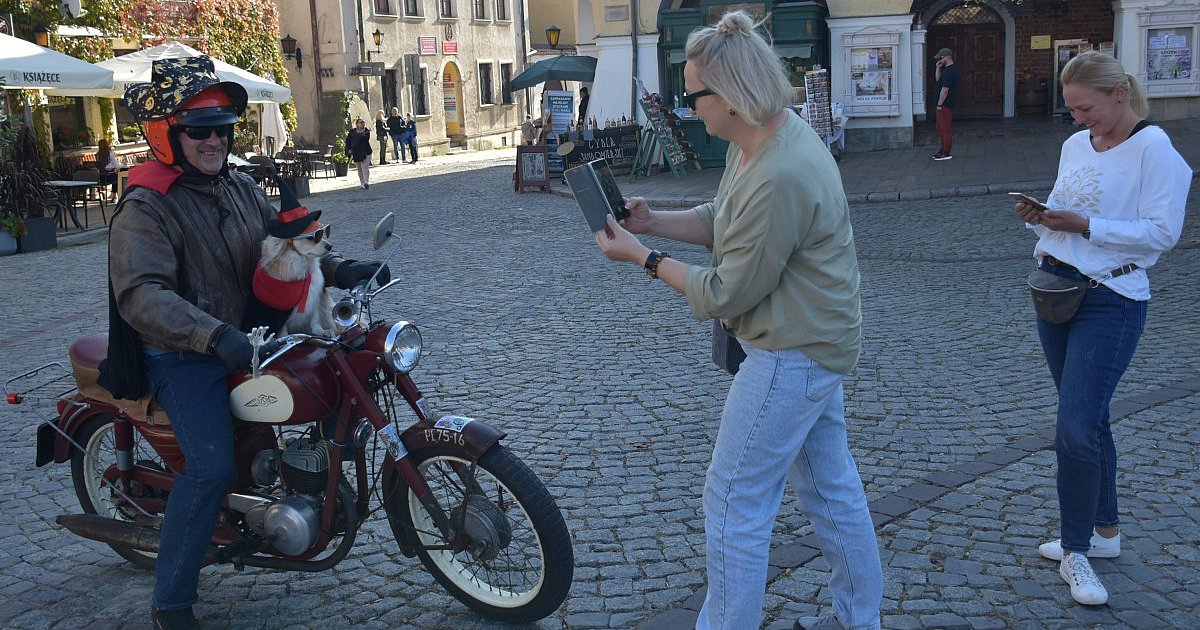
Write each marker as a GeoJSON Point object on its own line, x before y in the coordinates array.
{"type": "Point", "coordinates": [402, 347]}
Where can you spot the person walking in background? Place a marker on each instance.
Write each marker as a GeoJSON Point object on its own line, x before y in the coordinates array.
{"type": "Point", "coordinates": [396, 128]}
{"type": "Point", "coordinates": [381, 134]}
{"type": "Point", "coordinates": [410, 127]}
{"type": "Point", "coordinates": [358, 148]}
{"type": "Point", "coordinates": [946, 92]}
{"type": "Point", "coordinates": [1117, 205]}
{"type": "Point", "coordinates": [784, 279]}
{"type": "Point", "coordinates": [584, 96]}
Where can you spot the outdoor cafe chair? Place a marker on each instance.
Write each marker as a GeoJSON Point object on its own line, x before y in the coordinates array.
{"type": "Point", "coordinates": [91, 175]}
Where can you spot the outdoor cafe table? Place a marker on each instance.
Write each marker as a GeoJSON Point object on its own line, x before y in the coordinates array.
{"type": "Point", "coordinates": [306, 159]}
{"type": "Point", "coordinates": [74, 190]}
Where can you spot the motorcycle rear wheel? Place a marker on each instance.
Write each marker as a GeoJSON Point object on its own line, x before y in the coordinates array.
{"type": "Point", "coordinates": [87, 474]}
{"type": "Point", "coordinates": [519, 565]}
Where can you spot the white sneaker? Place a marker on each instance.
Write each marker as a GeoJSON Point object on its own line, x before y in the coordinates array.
{"type": "Point", "coordinates": [1101, 547]}
{"type": "Point", "coordinates": [1085, 586]}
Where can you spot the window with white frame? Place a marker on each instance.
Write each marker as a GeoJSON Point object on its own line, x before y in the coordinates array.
{"type": "Point", "coordinates": [502, 10]}
{"type": "Point", "coordinates": [412, 8]}
{"type": "Point", "coordinates": [447, 9]}
{"type": "Point", "coordinates": [479, 9]}
{"type": "Point", "coordinates": [485, 84]}
{"type": "Point", "coordinates": [383, 7]}
{"type": "Point", "coordinates": [506, 96]}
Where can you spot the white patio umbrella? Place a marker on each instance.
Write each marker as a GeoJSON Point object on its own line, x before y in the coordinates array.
{"type": "Point", "coordinates": [26, 65]}
{"type": "Point", "coordinates": [271, 125]}
{"type": "Point", "coordinates": [135, 68]}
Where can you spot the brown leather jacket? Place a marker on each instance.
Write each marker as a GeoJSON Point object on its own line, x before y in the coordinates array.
{"type": "Point", "coordinates": [181, 263]}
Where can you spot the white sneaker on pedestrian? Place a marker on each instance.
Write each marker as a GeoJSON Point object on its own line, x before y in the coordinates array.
{"type": "Point", "coordinates": [1085, 586]}
{"type": "Point", "coordinates": [828, 622]}
{"type": "Point", "coordinates": [1101, 547]}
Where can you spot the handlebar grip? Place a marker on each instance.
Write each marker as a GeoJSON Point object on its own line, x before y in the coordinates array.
{"type": "Point", "coordinates": [269, 348]}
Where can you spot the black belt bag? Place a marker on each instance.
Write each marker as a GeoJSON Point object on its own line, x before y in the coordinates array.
{"type": "Point", "coordinates": [727, 353]}
{"type": "Point", "coordinates": [1056, 298]}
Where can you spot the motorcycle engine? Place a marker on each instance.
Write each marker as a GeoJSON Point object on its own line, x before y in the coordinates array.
{"type": "Point", "coordinates": [291, 523]}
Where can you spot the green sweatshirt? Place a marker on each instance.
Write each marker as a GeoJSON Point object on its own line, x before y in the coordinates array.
{"type": "Point", "coordinates": [785, 272]}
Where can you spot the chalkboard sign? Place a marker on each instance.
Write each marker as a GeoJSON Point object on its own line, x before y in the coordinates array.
{"type": "Point", "coordinates": [533, 168]}
{"type": "Point", "coordinates": [617, 145]}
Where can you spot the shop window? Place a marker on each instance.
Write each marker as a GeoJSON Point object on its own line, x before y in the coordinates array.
{"type": "Point", "coordinates": [502, 10]}
{"type": "Point", "coordinates": [485, 84]}
{"type": "Point", "coordinates": [412, 8]}
{"type": "Point", "coordinates": [506, 96]}
{"type": "Point", "coordinates": [1170, 53]}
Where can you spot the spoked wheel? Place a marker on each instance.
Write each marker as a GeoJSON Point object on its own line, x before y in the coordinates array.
{"type": "Point", "coordinates": [88, 468]}
{"type": "Point", "coordinates": [511, 557]}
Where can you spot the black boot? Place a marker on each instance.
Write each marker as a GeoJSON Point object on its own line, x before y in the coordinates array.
{"type": "Point", "coordinates": [181, 619]}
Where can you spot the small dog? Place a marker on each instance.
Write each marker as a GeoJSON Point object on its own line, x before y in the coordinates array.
{"type": "Point", "coordinates": [289, 286]}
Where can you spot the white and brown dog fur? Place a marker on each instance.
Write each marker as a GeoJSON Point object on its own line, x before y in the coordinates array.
{"type": "Point", "coordinates": [290, 260]}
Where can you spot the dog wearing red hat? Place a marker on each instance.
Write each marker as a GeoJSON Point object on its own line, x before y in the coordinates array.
{"type": "Point", "coordinates": [289, 293]}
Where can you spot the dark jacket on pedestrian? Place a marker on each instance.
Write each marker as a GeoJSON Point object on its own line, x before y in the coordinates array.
{"type": "Point", "coordinates": [358, 144]}
{"type": "Point", "coordinates": [396, 125]}
{"type": "Point", "coordinates": [381, 130]}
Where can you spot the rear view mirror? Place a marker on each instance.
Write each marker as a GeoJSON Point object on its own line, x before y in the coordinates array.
{"type": "Point", "coordinates": [383, 230]}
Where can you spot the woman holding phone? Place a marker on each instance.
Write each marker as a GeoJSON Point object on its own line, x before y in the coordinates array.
{"type": "Point", "coordinates": [1117, 205]}
{"type": "Point", "coordinates": [784, 280]}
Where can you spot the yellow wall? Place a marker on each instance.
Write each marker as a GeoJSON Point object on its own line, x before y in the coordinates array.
{"type": "Point", "coordinates": [545, 13]}
{"type": "Point", "coordinates": [647, 17]}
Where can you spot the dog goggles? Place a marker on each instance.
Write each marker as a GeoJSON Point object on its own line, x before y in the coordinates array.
{"type": "Point", "coordinates": [316, 235]}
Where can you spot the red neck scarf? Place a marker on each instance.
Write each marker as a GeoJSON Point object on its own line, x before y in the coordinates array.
{"type": "Point", "coordinates": [281, 295]}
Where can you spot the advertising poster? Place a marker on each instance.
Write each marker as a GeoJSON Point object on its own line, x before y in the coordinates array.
{"type": "Point", "coordinates": [561, 106]}
{"type": "Point", "coordinates": [871, 75]}
{"type": "Point", "coordinates": [1168, 56]}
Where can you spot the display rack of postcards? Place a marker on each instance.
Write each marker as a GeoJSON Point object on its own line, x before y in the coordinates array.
{"type": "Point", "coordinates": [820, 113]}
{"type": "Point", "coordinates": [661, 132]}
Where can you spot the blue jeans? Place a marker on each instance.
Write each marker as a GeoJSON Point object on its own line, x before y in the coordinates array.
{"type": "Point", "coordinates": [784, 420]}
{"type": "Point", "coordinates": [398, 142]}
{"type": "Point", "coordinates": [1087, 356]}
{"type": "Point", "coordinates": [193, 389]}
{"type": "Point", "coordinates": [412, 146]}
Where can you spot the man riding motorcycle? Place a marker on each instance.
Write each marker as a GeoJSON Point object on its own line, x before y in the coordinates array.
{"type": "Point", "coordinates": [183, 246]}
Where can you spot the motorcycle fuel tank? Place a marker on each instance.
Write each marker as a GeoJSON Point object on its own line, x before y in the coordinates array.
{"type": "Point", "coordinates": [297, 388]}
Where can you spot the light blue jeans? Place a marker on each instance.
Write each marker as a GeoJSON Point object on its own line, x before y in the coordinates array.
{"type": "Point", "coordinates": [784, 420]}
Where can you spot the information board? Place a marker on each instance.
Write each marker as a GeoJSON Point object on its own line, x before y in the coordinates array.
{"type": "Point", "coordinates": [561, 106]}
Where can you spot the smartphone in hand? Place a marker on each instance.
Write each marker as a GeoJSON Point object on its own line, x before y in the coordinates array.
{"type": "Point", "coordinates": [1041, 207]}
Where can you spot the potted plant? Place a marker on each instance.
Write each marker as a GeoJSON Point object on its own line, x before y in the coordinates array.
{"type": "Point", "coordinates": [23, 193]}
{"type": "Point", "coordinates": [341, 161]}
{"type": "Point", "coordinates": [12, 227]}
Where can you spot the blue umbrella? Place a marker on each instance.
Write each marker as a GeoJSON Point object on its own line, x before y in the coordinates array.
{"type": "Point", "coordinates": [561, 68]}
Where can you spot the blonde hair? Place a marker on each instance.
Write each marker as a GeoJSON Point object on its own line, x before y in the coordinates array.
{"type": "Point", "coordinates": [1103, 72]}
{"type": "Point", "coordinates": [737, 63]}
{"type": "Point", "coordinates": [379, 115]}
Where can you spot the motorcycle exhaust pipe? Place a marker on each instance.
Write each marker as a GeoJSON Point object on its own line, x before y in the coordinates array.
{"type": "Point", "coordinates": [111, 531]}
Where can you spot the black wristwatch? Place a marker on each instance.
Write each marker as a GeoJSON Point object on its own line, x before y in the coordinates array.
{"type": "Point", "coordinates": [652, 261]}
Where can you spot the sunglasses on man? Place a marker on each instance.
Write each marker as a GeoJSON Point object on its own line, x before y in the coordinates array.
{"type": "Point", "coordinates": [690, 98]}
{"type": "Point", "coordinates": [316, 235]}
{"type": "Point", "coordinates": [203, 133]}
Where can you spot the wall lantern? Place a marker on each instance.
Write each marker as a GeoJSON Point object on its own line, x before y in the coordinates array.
{"type": "Point", "coordinates": [41, 37]}
{"type": "Point", "coordinates": [378, 37]}
{"type": "Point", "coordinates": [552, 33]}
{"type": "Point", "coordinates": [291, 50]}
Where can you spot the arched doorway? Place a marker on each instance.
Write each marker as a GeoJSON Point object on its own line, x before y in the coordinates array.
{"type": "Point", "coordinates": [976, 35]}
{"type": "Point", "coordinates": [452, 104]}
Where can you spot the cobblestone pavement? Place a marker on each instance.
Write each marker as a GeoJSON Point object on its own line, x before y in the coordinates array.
{"type": "Point", "coordinates": [604, 385]}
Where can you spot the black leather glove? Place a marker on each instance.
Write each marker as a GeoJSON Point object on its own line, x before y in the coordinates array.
{"type": "Point", "coordinates": [351, 272]}
{"type": "Point", "coordinates": [233, 347]}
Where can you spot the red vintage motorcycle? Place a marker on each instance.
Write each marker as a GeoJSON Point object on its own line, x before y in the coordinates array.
{"type": "Point", "coordinates": [318, 435]}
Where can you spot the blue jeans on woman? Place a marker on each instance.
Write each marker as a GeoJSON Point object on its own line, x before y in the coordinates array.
{"type": "Point", "coordinates": [784, 420]}
{"type": "Point", "coordinates": [193, 390]}
{"type": "Point", "coordinates": [1087, 356]}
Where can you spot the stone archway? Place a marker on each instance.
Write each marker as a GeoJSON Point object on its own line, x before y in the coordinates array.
{"type": "Point", "coordinates": [452, 104]}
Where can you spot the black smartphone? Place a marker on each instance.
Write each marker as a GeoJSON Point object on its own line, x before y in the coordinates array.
{"type": "Point", "coordinates": [608, 186]}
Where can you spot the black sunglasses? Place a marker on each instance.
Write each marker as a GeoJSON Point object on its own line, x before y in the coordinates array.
{"type": "Point", "coordinates": [690, 98]}
{"type": "Point", "coordinates": [203, 133]}
{"type": "Point", "coordinates": [316, 236]}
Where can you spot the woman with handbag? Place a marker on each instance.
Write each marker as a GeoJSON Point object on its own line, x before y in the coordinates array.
{"type": "Point", "coordinates": [358, 149]}
{"type": "Point", "coordinates": [1117, 205]}
{"type": "Point", "coordinates": [784, 279]}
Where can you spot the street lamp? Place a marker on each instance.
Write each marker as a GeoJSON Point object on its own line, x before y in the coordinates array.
{"type": "Point", "coordinates": [41, 37]}
{"type": "Point", "coordinates": [291, 50]}
{"type": "Point", "coordinates": [378, 37]}
{"type": "Point", "coordinates": [552, 33]}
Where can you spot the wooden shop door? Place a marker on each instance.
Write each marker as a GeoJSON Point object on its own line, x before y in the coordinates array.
{"type": "Point", "coordinates": [979, 54]}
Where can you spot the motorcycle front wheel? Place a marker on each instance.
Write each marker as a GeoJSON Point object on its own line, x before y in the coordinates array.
{"type": "Point", "coordinates": [87, 474]}
{"type": "Point", "coordinates": [517, 563]}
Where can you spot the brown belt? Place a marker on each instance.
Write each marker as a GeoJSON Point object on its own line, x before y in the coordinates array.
{"type": "Point", "coordinates": [1058, 263]}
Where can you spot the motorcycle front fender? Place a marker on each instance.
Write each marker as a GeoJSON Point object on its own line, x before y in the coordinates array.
{"type": "Point", "coordinates": [468, 435]}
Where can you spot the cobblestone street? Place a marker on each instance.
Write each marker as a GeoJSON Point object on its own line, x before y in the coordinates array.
{"type": "Point", "coordinates": [604, 385]}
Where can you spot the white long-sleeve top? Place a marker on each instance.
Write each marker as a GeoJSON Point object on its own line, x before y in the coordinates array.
{"type": "Point", "coordinates": [1133, 196]}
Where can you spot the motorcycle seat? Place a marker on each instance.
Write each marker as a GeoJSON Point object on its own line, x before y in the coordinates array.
{"type": "Point", "coordinates": [86, 355]}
